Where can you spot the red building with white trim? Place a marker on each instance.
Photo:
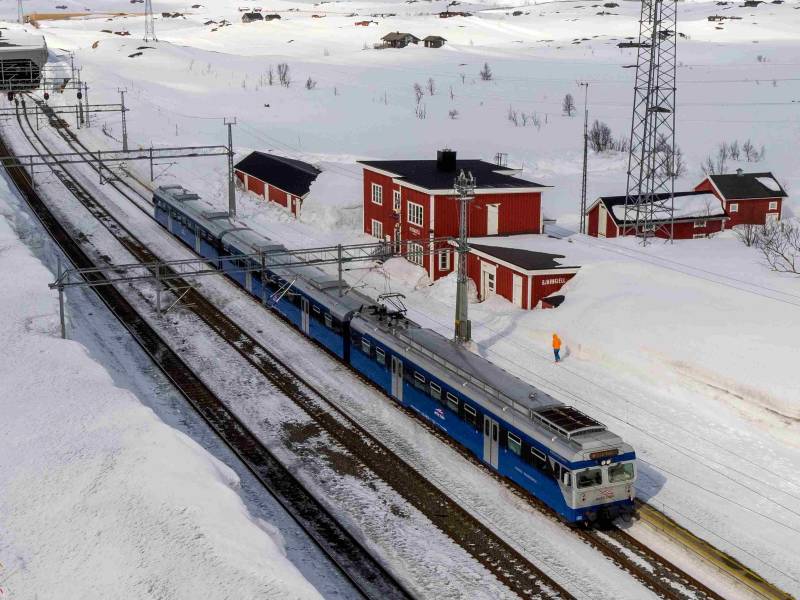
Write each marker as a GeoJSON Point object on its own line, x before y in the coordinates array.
{"type": "Point", "coordinates": [748, 198]}
{"type": "Point", "coordinates": [696, 214]}
{"type": "Point", "coordinates": [526, 278]}
{"type": "Point", "coordinates": [414, 200]}
{"type": "Point", "coordinates": [277, 179]}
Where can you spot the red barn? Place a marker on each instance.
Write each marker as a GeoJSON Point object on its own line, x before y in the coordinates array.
{"type": "Point", "coordinates": [523, 277]}
{"type": "Point", "coordinates": [278, 179]}
{"type": "Point", "coordinates": [696, 214]}
{"type": "Point", "coordinates": [748, 198]}
{"type": "Point", "coordinates": [414, 200]}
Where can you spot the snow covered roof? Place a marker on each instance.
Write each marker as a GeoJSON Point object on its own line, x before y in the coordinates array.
{"type": "Point", "coordinates": [527, 260]}
{"type": "Point", "coordinates": [745, 186]}
{"type": "Point", "coordinates": [687, 205]}
{"type": "Point", "coordinates": [427, 174]}
{"type": "Point", "coordinates": [288, 174]}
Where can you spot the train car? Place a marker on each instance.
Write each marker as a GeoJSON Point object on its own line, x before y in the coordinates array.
{"type": "Point", "coordinates": [22, 58]}
{"type": "Point", "coordinates": [560, 455]}
{"type": "Point", "coordinates": [568, 460]}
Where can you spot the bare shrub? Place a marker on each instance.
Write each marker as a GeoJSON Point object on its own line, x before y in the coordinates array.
{"type": "Point", "coordinates": [310, 84]}
{"type": "Point", "coordinates": [513, 116]}
{"type": "Point", "coordinates": [486, 72]}
{"type": "Point", "coordinates": [568, 105]}
{"type": "Point", "coordinates": [431, 86]}
{"type": "Point", "coordinates": [780, 245]}
{"type": "Point", "coordinates": [284, 78]}
{"type": "Point", "coordinates": [748, 234]}
{"type": "Point", "coordinates": [452, 113]}
{"type": "Point", "coordinates": [600, 138]}
{"type": "Point", "coordinates": [270, 76]}
{"type": "Point", "coordinates": [421, 112]}
{"type": "Point", "coordinates": [418, 92]}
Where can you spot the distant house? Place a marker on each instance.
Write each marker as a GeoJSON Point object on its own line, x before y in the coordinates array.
{"type": "Point", "coordinates": [278, 179]}
{"type": "Point", "coordinates": [527, 278]}
{"type": "Point", "coordinates": [397, 39]}
{"type": "Point", "coordinates": [696, 214]}
{"type": "Point", "coordinates": [249, 17]}
{"type": "Point", "coordinates": [434, 41]}
{"type": "Point", "coordinates": [272, 17]}
{"type": "Point", "coordinates": [748, 198]}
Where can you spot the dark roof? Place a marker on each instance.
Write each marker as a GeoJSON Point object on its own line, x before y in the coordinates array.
{"type": "Point", "coordinates": [612, 201]}
{"type": "Point", "coordinates": [293, 176]}
{"type": "Point", "coordinates": [434, 38]}
{"type": "Point", "coordinates": [425, 174]}
{"type": "Point", "coordinates": [744, 186]}
{"type": "Point", "coordinates": [396, 35]}
{"type": "Point", "coordinates": [524, 259]}
{"type": "Point", "coordinates": [554, 301]}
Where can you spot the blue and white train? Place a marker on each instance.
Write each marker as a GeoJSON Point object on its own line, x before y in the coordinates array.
{"type": "Point", "coordinates": [563, 457]}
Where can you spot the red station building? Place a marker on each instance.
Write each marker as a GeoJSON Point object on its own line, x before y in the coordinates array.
{"type": "Point", "coordinates": [408, 200]}
{"type": "Point", "coordinates": [696, 214]}
{"type": "Point", "coordinates": [277, 179]}
{"type": "Point", "coordinates": [748, 198]}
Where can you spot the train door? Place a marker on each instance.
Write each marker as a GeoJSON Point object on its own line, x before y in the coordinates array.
{"type": "Point", "coordinates": [491, 441]}
{"type": "Point", "coordinates": [248, 281]}
{"type": "Point", "coordinates": [304, 315]}
{"type": "Point", "coordinates": [197, 240]}
{"type": "Point", "coordinates": [397, 378]}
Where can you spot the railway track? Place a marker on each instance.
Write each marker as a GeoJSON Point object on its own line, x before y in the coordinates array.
{"type": "Point", "coordinates": [652, 570]}
{"type": "Point", "coordinates": [509, 566]}
{"type": "Point", "coordinates": [366, 574]}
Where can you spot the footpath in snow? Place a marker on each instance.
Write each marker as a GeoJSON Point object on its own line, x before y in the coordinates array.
{"type": "Point", "coordinates": [96, 491]}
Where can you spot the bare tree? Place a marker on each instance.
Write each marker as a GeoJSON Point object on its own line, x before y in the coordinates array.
{"type": "Point", "coordinates": [421, 112]}
{"type": "Point", "coordinates": [486, 72]}
{"type": "Point", "coordinates": [418, 92]}
{"type": "Point", "coordinates": [452, 113]}
{"type": "Point", "coordinates": [284, 77]}
{"type": "Point", "coordinates": [780, 245]}
{"type": "Point", "coordinates": [431, 86]}
{"type": "Point", "coordinates": [733, 148]}
{"type": "Point", "coordinates": [600, 137]}
{"type": "Point", "coordinates": [748, 233]}
{"type": "Point", "coordinates": [568, 105]}
{"type": "Point", "coordinates": [513, 116]}
{"type": "Point", "coordinates": [270, 76]}
{"type": "Point", "coordinates": [310, 84]}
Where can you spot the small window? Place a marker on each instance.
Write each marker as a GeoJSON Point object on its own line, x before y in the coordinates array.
{"type": "Point", "coordinates": [620, 472]}
{"type": "Point", "coordinates": [419, 381]}
{"type": "Point", "coordinates": [698, 236]}
{"type": "Point", "coordinates": [380, 356]}
{"type": "Point", "coordinates": [377, 229]}
{"type": "Point", "coordinates": [733, 207]}
{"type": "Point", "coordinates": [328, 321]}
{"type": "Point", "coordinates": [436, 391]}
{"type": "Point", "coordinates": [377, 194]}
{"type": "Point", "coordinates": [773, 205]}
{"type": "Point", "coordinates": [470, 415]}
{"type": "Point", "coordinates": [589, 478]}
{"type": "Point", "coordinates": [396, 201]}
{"type": "Point", "coordinates": [452, 402]}
{"type": "Point", "coordinates": [415, 253]}
{"type": "Point", "coordinates": [514, 444]}
{"type": "Point", "coordinates": [699, 224]}
{"type": "Point", "coordinates": [316, 309]}
{"type": "Point", "coordinates": [537, 455]}
{"type": "Point", "coordinates": [444, 260]}
{"type": "Point", "coordinates": [365, 346]}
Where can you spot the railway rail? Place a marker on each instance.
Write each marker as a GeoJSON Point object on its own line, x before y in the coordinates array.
{"type": "Point", "coordinates": [501, 559]}
{"type": "Point", "coordinates": [655, 572]}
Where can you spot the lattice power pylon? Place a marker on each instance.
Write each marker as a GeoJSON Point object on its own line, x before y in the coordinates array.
{"type": "Point", "coordinates": [149, 22]}
{"type": "Point", "coordinates": [649, 206]}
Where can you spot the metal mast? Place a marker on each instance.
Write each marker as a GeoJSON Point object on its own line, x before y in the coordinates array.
{"type": "Point", "coordinates": [585, 87]}
{"type": "Point", "coordinates": [231, 183]}
{"type": "Point", "coordinates": [124, 121]}
{"type": "Point", "coordinates": [464, 186]}
{"type": "Point", "coordinates": [149, 22]}
{"type": "Point", "coordinates": [650, 191]}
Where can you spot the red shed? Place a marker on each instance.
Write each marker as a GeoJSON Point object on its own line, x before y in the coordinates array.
{"type": "Point", "coordinates": [523, 277]}
{"type": "Point", "coordinates": [414, 200]}
{"type": "Point", "coordinates": [696, 214]}
{"type": "Point", "coordinates": [278, 179]}
{"type": "Point", "coordinates": [748, 198]}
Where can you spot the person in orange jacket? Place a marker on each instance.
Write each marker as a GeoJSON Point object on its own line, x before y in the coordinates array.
{"type": "Point", "coordinates": [557, 346]}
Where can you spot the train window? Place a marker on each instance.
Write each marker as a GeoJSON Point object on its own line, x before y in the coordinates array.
{"type": "Point", "coordinates": [537, 454]}
{"type": "Point", "coordinates": [316, 309]}
{"type": "Point", "coordinates": [452, 402]}
{"type": "Point", "coordinates": [514, 444]}
{"type": "Point", "coordinates": [620, 472]}
{"type": "Point", "coordinates": [470, 416]}
{"type": "Point", "coordinates": [380, 356]}
{"type": "Point", "coordinates": [589, 478]}
{"type": "Point", "coordinates": [566, 478]}
{"type": "Point", "coordinates": [419, 381]}
{"type": "Point", "coordinates": [365, 346]}
{"type": "Point", "coordinates": [328, 321]}
{"type": "Point", "coordinates": [486, 427]}
{"type": "Point", "coordinates": [436, 391]}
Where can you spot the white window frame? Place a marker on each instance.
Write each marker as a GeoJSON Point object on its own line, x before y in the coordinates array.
{"type": "Point", "coordinates": [773, 205]}
{"type": "Point", "coordinates": [733, 207]}
{"type": "Point", "coordinates": [415, 253]}
{"type": "Point", "coordinates": [415, 214]}
{"type": "Point", "coordinates": [516, 441]}
{"type": "Point", "coordinates": [436, 390]}
{"type": "Point", "coordinates": [377, 194]}
{"type": "Point", "coordinates": [396, 201]}
{"type": "Point", "coordinates": [697, 236]}
{"type": "Point", "coordinates": [377, 232]}
{"type": "Point", "coordinates": [444, 260]}
{"type": "Point", "coordinates": [699, 224]}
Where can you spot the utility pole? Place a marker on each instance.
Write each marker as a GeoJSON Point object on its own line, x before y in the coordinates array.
{"type": "Point", "coordinates": [464, 186]}
{"type": "Point", "coordinates": [20, 13]}
{"type": "Point", "coordinates": [80, 95]}
{"type": "Point", "coordinates": [149, 22]}
{"type": "Point", "coordinates": [124, 123]}
{"type": "Point", "coordinates": [231, 187]}
{"type": "Point", "coordinates": [86, 100]}
{"type": "Point", "coordinates": [585, 87]}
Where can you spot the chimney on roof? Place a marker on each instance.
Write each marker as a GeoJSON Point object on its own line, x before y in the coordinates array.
{"type": "Point", "coordinates": [739, 172]}
{"type": "Point", "coordinates": [446, 160]}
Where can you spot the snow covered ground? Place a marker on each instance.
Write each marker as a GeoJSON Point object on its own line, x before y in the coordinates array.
{"type": "Point", "coordinates": [95, 490]}
{"type": "Point", "coordinates": [687, 350]}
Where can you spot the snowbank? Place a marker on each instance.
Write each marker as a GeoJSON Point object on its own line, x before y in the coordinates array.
{"type": "Point", "coordinates": [335, 199]}
{"type": "Point", "coordinates": [98, 497]}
